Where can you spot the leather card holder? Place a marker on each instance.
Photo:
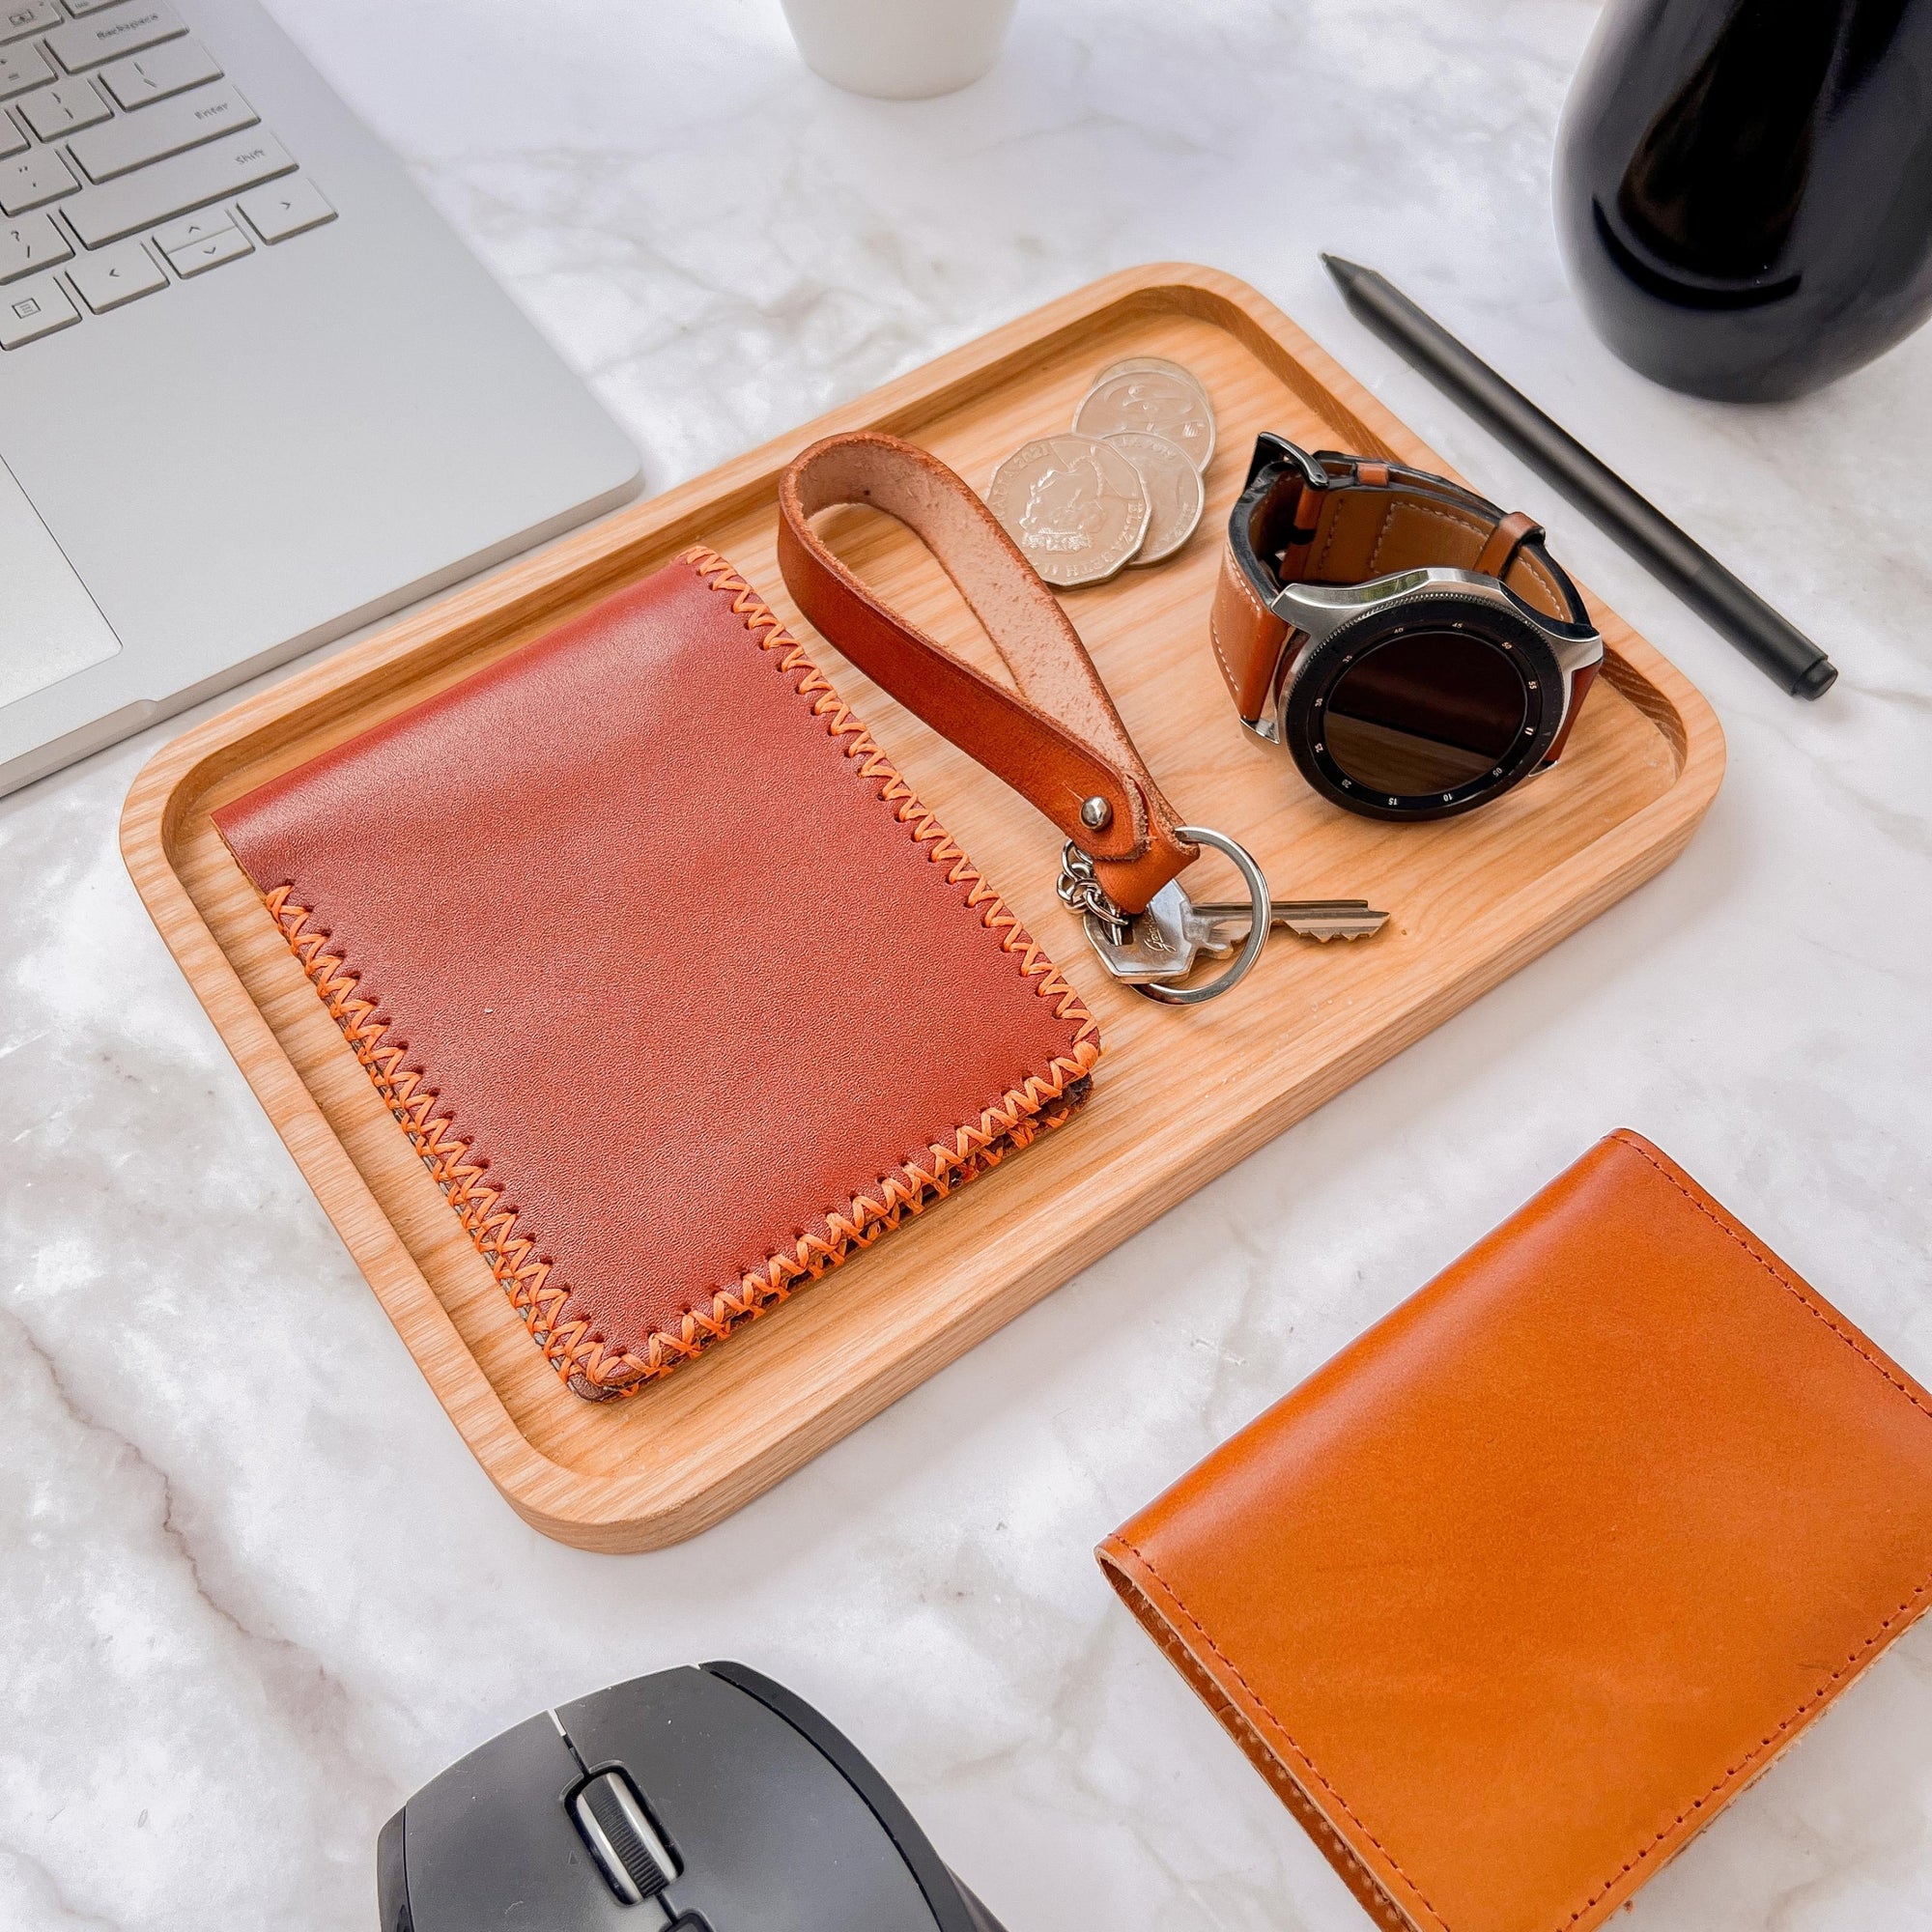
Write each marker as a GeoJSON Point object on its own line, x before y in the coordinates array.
{"type": "Point", "coordinates": [1515, 1594]}
{"type": "Point", "coordinates": [678, 990]}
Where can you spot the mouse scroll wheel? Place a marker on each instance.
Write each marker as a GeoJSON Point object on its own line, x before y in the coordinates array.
{"type": "Point", "coordinates": [634, 1859]}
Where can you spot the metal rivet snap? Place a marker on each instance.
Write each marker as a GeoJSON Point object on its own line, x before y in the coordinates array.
{"type": "Point", "coordinates": [1096, 814]}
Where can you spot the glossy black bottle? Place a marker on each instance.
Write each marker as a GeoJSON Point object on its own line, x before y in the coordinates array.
{"type": "Point", "coordinates": [1744, 187]}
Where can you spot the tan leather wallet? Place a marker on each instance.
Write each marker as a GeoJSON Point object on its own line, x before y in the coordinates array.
{"type": "Point", "coordinates": [1512, 1597]}
{"type": "Point", "coordinates": [674, 985]}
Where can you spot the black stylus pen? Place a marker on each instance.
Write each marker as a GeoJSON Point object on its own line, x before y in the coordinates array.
{"type": "Point", "coordinates": [1776, 646]}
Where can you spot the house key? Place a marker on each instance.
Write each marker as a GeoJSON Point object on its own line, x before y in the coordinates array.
{"type": "Point", "coordinates": [1157, 949]}
{"type": "Point", "coordinates": [1219, 929]}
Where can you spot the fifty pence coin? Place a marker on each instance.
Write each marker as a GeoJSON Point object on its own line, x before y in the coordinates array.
{"type": "Point", "coordinates": [1174, 492]}
{"type": "Point", "coordinates": [1154, 401]}
{"type": "Point", "coordinates": [1076, 507]}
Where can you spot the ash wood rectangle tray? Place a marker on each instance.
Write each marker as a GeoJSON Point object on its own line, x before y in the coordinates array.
{"type": "Point", "coordinates": [1180, 1095]}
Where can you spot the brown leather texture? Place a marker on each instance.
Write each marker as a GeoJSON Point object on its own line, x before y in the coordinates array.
{"type": "Point", "coordinates": [664, 968]}
{"type": "Point", "coordinates": [1374, 524]}
{"type": "Point", "coordinates": [1055, 738]}
{"type": "Point", "coordinates": [1515, 1593]}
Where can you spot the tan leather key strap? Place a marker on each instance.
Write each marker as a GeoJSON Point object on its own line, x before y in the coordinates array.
{"type": "Point", "coordinates": [1055, 736]}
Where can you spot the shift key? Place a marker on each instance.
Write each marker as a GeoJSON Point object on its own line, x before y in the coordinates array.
{"type": "Point", "coordinates": [121, 208]}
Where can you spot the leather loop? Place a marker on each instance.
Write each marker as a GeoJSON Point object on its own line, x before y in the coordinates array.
{"type": "Point", "coordinates": [1499, 549]}
{"type": "Point", "coordinates": [1055, 738]}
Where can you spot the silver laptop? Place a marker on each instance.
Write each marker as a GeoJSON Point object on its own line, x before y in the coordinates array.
{"type": "Point", "coordinates": [253, 392]}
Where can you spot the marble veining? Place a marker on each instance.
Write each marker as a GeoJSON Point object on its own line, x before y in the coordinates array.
{"type": "Point", "coordinates": [253, 1587]}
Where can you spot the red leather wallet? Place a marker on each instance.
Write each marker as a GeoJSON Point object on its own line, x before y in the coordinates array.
{"type": "Point", "coordinates": [1510, 1598]}
{"type": "Point", "coordinates": [676, 987]}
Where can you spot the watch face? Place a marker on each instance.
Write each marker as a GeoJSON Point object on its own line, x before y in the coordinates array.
{"type": "Point", "coordinates": [1425, 710]}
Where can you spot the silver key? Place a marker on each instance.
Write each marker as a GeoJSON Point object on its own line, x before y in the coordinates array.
{"type": "Point", "coordinates": [116, 275]}
{"type": "Point", "coordinates": [120, 208]}
{"type": "Point", "coordinates": [170, 128]}
{"type": "Point", "coordinates": [1165, 942]}
{"type": "Point", "coordinates": [32, 180]}
{"type": "Point", "coordinates": [225, 244]}
{"type": "Point", "coordinates": [116, 30]}
{"type": "Point", "coordinates": [63, 107]}
{"type": "Point", "coordinates": [21, 17]}
{"type": "Point", "coordinates": [31, 243]}
{"type": "Point", "coordinates": [33, 309]}
{"type": "Point", "coordinates": [288, 208]}
{"type": "Point", "coordinates": [172, 69]}
{"type": "Point", "coordinates": [1220, 928]}
{"type": "Point", "coordinates": [12, 140]}
{"type": "Point", "coordinates": [22, 68]}
{"type": "Point", "coordinates": [82, 7]}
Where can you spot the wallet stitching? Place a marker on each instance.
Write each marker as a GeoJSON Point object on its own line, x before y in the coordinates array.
{"type": "Point", "coordinates": [512, 1256]}
{"type": "Point", "coordinates": [1758, 1752]}
{"type": "Point", "coordinates": [1260, 1704]}
{"type": "Point", "coordinates": [1779, 1732]}
{"type": "Point", "coordinates": [1883, 1369]}
{"type": "Point", "coordinates": [1792, 1287]}
{"type": "Point", "coordinates": [1040, 1101]}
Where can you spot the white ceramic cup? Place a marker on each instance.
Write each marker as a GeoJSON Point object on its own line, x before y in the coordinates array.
{"type": "Point", "coordinates": [899, 49]}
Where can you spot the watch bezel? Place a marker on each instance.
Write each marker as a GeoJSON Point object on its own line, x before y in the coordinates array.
{"type": "Point", "coordinates": [1400, 610]}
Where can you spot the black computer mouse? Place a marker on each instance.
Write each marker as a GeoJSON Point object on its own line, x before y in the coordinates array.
{"type": "Point", "coordinates": [707, 1799]}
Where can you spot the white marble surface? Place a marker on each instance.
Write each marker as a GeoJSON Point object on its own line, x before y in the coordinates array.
{"type": "Point", "coordinates": [254, 1588]}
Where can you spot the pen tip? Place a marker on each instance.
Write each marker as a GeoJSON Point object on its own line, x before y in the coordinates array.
{"type": "Point", "coordinates": [1343, 270]}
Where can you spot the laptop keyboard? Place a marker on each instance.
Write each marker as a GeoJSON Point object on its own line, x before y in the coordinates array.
{"type": "Point", "coordinates": [128, 162]}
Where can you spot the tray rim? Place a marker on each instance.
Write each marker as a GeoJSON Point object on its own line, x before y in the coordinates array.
{"type": "Point", "coordinates": [586, 1508]}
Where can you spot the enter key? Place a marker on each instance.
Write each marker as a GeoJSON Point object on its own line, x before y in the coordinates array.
{"type": "Point", "coordinates": [168, 127]}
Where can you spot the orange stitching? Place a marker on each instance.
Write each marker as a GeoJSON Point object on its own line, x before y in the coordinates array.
{"type": "Point", "coordinates": [1013, 1120]}
{"type": "Point", "coordinates": [1886, 1374]}
{"type": "Point", "coordinates": [925, 828]}
{"type": "Point", "coordinates": [1791, 1285]}
{"type": "Point", "coordinates": [1878, 1365]}
{"type": "Point", "coordinates": [1260, 1704]}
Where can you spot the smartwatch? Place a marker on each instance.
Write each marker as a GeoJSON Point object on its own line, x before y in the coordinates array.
{"type": "Point", "coordinates": [1416, 649]}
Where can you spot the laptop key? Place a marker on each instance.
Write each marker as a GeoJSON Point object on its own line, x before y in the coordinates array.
{"type": "Point", "coordinates": [22, 68]}
{"type": "Point", "coordinates": [168, 69]}
{"type": "Point", "coordinates": [82, 7]}
{"type": "Point", "coordinates": [287, 208]}
{"type": "Point", "coordinates": [63, 107]}
{"type": "Point", "coordinates": [116, 275]}
{"type": "Point", "coordinates": [118, 208]}
{"type": "Point", "coordinates": [21, 17]}
{"type": "Point", "coordinates": [225, 244]}
{"type": "Point", "coordinates": [191, 229]}
{"type": "Point", "coordinates": [12, 140]}
{"type": "Point", "coordinates": [169, 128]}
{"type": "Point", "coordinates": [115, 30]}
{"type": "Point", "coordinates": [32, 180]}
{"type": "Point", "coordinates": [30, 310]}
{"type": "Point", "coordinates": [31, 243]}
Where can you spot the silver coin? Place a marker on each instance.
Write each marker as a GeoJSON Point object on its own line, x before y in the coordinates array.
{"type": "Point", "coordinates": [1076, 507]}
{"type": "Point", "coordinates": [1175, 494]}
{"type": "Point", "coordinates": [1155, 401]}
{"type": "Point", "coordinates": [1129, 365]}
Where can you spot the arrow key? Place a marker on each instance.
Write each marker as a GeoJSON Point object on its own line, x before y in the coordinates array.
{"type": "Point", "coordinates": [286, 208]}
{"type": "Point", "coordinates": [111, 276]}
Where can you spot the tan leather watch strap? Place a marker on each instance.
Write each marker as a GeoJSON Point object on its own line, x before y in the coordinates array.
{"type": "Point", "coordinates": [1056, 737]}
{"type": "Point", "coordinates": [1371, 519]}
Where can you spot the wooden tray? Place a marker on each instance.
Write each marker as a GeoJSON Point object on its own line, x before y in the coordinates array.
{"type": "Point", "coordinates": [1180, 1095]}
